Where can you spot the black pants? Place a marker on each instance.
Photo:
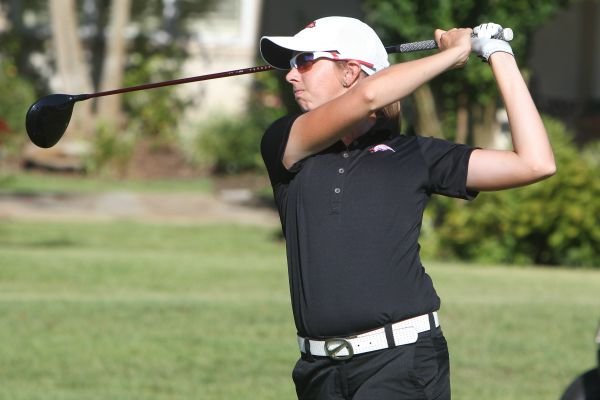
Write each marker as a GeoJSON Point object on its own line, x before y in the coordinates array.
{"type": "Point", "coordinates": [418, 371]}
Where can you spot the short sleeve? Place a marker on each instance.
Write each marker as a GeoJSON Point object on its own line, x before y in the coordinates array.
{"type": "Point", "coordinates": [272, 148]}
{"type": "Point", "coordinates": [448, 165]}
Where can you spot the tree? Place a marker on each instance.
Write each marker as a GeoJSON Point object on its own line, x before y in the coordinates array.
{"type": "Point", "coordinates": [114, 62]}
{"type": "Point", "coordinates": [88, 50]}
{"type": "Point", "coordinates": [71, 67]}
{"type": "Point", "coordinates": [466, 99]}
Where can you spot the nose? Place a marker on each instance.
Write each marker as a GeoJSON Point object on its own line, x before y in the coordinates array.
{"type": "Point", "coordinates": [292, 76]}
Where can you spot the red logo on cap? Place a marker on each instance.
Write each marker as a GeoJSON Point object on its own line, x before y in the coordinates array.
{"type": "Point", "coordinates": [311, 25]}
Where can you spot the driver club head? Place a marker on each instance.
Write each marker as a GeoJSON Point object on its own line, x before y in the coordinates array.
{"type": "Point", "coordinates": [48, 118]}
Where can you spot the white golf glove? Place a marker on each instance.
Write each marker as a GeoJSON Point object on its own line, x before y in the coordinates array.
{"type": "Point", "coordinates": [484, 42]}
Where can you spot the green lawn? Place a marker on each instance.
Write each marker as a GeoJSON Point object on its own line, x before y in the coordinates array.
{"type": "Point", "coordinates": [40, 183]}
{"type": "Point", "coordinates": [122, 310]}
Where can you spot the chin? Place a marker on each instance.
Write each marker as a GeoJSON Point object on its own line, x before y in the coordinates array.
{"type": "Point", "coordinates": [304, 107]}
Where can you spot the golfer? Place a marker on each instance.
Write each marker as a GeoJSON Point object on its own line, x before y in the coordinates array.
{"type": "Point", "coordinates": [351, 191]}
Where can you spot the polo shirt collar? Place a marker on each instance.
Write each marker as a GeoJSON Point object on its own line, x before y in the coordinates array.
{"type": "Point", "coordinates": [383, 130]}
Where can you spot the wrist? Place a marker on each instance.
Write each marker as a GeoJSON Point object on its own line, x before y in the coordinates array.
{"type": "Point", "coordinates": [501, 57]}
{"type": "Point", "coordinates": [495, 46]}
{"type": "Point", "coordinates": [457, 55]}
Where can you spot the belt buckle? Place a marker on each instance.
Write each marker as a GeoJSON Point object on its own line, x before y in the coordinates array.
{"type": "Point", "coordinates": [333, 348]}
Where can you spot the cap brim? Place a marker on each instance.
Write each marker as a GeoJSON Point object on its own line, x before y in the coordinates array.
{"type": "Point", "coordinates": [278, 50]}
{"type": "Point", "coordinates": [274, 54]}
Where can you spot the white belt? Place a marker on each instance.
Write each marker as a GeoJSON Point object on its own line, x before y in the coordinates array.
{"type": "Point", "coordinates": [404, 332]}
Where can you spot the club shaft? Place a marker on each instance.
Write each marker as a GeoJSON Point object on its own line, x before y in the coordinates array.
{"type": "Point", "coordinates": [224, 74]}
{"type": "Point", "coordinates": [402, 48]}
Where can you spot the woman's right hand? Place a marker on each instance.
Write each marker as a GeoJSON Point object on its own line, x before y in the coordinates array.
{"type": "Point", "coordinates": [457, 39]}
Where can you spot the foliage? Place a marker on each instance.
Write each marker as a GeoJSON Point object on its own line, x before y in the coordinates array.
{"type": "Point", "coordinates": [232, 144]}
{"type": "Point", "coordinates": [156, 54]}
{"type": "Point", "coordinates": [157, 111]}
{"type": "Point", "coordinates": [554, 222]}
{"type": "Point", "coordinates": [406, 21]}
{"type": "Point", "coordinates": [158, 36]}
{"type": "Point", "coordinates": [591, 154]}
{"type": "Point", "coordinates": [26, 37]}
{"type": "Point", "coordinates": [111, 151]}
{"type": "Point", "coordinates": [150, 18]}
{"type": "Point", "coordinates": [400, 21]}
{"type": "Point", "coordinates": [18, 96]}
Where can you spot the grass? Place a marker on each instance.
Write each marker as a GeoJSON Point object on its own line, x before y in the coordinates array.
{"type": "Point", "coordinates": [39, 183]}
{"type": "Point", "coordinates": [125, 310]}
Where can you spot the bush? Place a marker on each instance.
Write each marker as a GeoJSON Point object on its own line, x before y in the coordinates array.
{"type": "Point", "coordinates": [158, 111]}
{"type": "Point", "coordinates": [18, 95]}
{"type": "Point", "coordinates": [231, 144]}
{"type": "Point", "coordinates": [111, 151]}
{"type": "Point", "coordinates": [554, 222]}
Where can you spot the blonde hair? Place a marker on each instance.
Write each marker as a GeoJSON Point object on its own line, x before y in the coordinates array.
{"type": "Point", "coordinates": [392, 112]}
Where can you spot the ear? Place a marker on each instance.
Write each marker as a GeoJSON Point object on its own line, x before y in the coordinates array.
{"type": "Point", "coordinates": [351, 73]}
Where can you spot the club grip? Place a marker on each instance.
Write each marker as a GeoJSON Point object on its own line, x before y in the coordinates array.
{"type": "Point", "coordinates": [505, 34]}
{"type": "Point", "coordinates": [414, 46]}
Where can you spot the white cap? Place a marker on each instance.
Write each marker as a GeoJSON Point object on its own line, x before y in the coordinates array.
{"type": "Point", "coordinates": [351, 38]}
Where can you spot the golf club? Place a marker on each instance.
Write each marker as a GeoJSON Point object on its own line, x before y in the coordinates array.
{"type": "Point", "coordinates": [48, 118]}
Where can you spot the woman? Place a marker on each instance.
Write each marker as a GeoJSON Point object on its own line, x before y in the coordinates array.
{"type": "Point", "coordinates": [351, 193]}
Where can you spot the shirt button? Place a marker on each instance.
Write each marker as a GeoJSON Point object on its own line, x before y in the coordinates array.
{"type": "Point", "coordinates": [341, 170]}
{"type": "Point", "coordinates": [345, 154]}
{"type": "Point", "coordinates": [337, 190]}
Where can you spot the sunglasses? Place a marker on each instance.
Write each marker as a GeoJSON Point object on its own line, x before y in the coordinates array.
{"type": "Point", "coordinates": [304, 61]}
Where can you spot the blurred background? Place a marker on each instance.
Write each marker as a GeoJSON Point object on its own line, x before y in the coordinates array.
{"type": "Point", "coordinates": [145, 183]}
{"type": "Point", "coordinates": [213, 128]}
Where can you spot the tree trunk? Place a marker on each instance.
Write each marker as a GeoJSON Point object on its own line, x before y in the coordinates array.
{"type": "Point", "coordinates": [462, 119]}
{"type": "Point", "coordinates": [484, 125]}
{"type": "Point", "coordinates": [427, 123]}
{"type": "Point", "coordinates": [73, 74]}
{"type": "Point", "coordinates": [109, 107]}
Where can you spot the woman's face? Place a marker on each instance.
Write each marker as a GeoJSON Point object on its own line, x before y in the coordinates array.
{"type": "Point", "coordinates": [317, 84]}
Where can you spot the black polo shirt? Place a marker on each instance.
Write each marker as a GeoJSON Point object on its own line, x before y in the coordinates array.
{"type": "Point", "coordinates": [351, 217]}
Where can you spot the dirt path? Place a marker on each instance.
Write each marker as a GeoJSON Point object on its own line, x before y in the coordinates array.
{"type": "Point", "coordinates": [231, 205]}
{"type": "Point", "coordinates": [232, 199]}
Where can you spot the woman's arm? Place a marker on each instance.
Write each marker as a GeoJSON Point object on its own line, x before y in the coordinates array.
{"type": "Point", "coordinates": [531, 159]}
{"type": "Point", "coordinates": [317, 129]}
